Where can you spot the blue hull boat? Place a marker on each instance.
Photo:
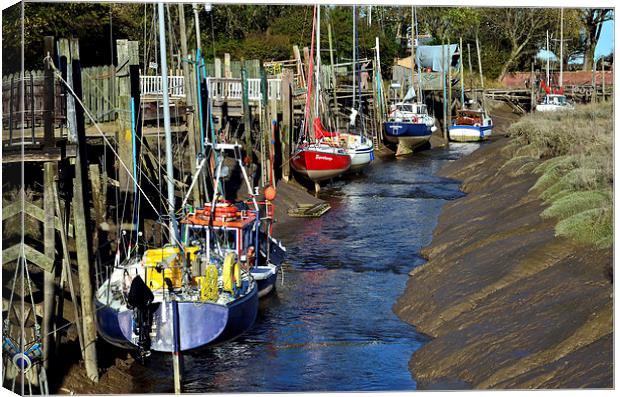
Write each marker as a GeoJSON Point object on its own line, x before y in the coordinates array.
{"type": "Point", "coordinates": [200, 323]}
{"type": "Point", "coordinates": [408, 134]}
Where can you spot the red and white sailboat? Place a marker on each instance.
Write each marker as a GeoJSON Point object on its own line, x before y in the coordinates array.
{"type": "Point", "coordinates": [318, 160]}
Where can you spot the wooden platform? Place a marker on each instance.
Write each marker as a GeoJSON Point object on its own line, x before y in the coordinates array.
{"type": "Point", "coordinates": [308, 210]}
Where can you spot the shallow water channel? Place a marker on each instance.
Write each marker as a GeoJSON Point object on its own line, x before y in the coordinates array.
{"type": "Point", "coordinates": [330, 325]}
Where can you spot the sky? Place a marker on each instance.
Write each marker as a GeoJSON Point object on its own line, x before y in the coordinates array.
{"type": "Point", "coordinates": [605, 44]}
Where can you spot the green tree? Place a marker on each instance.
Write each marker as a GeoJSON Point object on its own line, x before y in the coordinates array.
{"type": "Point", "coordinates": [593, 19]}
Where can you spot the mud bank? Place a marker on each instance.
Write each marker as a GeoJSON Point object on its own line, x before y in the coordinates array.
{"type": "Point", "coordinates": [508, 305]}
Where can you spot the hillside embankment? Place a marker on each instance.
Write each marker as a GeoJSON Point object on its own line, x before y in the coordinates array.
{"type": "Point", "coordinates": [508, 303]}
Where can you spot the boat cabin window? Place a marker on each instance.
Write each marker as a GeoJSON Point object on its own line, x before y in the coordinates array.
{"type": "Point", "coordinates": [556, 100]}
{"type": "Point", "coordinates": [404, 108]}
{"type": "Point", "coordinates": [248, 235]}
{"type": "Point", "coordinates": [226, 238]}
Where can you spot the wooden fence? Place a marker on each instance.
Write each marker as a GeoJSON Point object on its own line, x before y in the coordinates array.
{"type": "Point", "coordinates": [29, 92]}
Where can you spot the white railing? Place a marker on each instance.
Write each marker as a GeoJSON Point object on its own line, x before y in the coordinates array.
{"type": "Point", "coordinates": [152, 85]}
{"type": "Point", "coordinates": [219, 88]}
{"type": "Point", "coordinates": [224, 89]}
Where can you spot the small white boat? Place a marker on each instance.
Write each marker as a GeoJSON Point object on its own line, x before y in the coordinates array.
{"type": "Point", "coordinates": [357, 146]}
{"type": "Point", "coordinates": [554, 103]}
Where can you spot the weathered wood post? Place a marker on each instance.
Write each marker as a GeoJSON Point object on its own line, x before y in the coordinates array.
{"type": "Point", "coordinates": [532, 90]}
{"type": "Point", "coordinates": [81, 216]}
{"type": "Point", "coordinates": [593, 99]}
{"type": "Point", "coordinates": [287, 122]}
{"type": "Point", "coordinates": [603, 78]}
{"type": "Point", "coordinates": [49, 172]}
{"type": "Point", "coordinates": [227, 71]}
{"type": "Point", "coordinates": [300, 66]}
{"type": "Point", "coordinates": [189, 100]}
{"type": "Point", "coordinates": [127, 54]}
{"type": "Point", "coordinates": [480, 70]}
{"type": "Point", "coordinates": [247, 121]}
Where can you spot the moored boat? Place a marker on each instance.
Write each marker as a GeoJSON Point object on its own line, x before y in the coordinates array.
{"type": "Point", "coordinates": [315, 158]}
{"type": "Point", "coordinates": [470, 125]}
{"type": "Point", "coordinates": [137, 314]}
{"type": "Point", "coordinates": [409, 124]}
{"type": "Point", "coordinates": [320, 161]}
{"type": "Point", "coordinates": [554, 103]}
{"type": "Point", "coordinates": [357, 146]}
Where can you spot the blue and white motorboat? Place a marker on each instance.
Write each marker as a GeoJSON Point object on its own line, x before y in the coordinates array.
{"type": "Point", "coordinates": [470, 126]}
{"type": "Point", "coordinates": [409, 125]}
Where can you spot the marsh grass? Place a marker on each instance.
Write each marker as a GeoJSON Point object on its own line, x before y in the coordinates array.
{"type": "Point", "coordinates": [576, 173]}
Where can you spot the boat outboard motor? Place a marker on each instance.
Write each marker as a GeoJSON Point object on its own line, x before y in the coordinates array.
{"type": "Point", "coordinates": [139, 299]}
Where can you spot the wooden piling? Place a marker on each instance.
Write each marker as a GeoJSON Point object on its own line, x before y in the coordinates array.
{"type": "Point", "coordinates": [227, 71]}
{"type": "Point", "coordinates": [287, 122]}
{"type": "Point", "coordinates": [127, 54]}
{"type": "Point", "coordinates": [603, 79]}
{"type": "Point", "coordinates": [49, 278]}
{"type": "Point", "coordinates": [189, 101]}
{"type": "Point", "coordinates": [532, 90]}
{"type": "Point", "coordinates": [247, 121]}
{"type": "Point", "coordinates": [49, 230]}
{"type": "Point", "coordinates": [480, 70]}
{"type": "Point", "coordinates": [81, 223]}
{"type": "Point", "coordinates": [593, 99]}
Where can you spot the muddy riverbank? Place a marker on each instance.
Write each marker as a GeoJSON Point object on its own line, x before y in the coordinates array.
{"type": "Point", "coordinates": [508, 305]}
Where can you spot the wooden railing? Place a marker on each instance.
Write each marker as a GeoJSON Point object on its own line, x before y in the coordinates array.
{"type": "Point", "coordinates": [231, 89]}
{"type": "Point", "coordinates": [100, 96]}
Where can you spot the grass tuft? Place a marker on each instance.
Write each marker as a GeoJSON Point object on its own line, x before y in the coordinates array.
{"type": "Point", "coordinates": [591, 227]}
{"type": "Point", "coordinates": [573, 203]}
{"type": "Point", "coordinates": [577, 172]}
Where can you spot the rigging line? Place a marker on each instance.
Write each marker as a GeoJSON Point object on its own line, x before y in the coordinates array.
{"type": "Point", "coordinates": [36, 323]}
{"type": "Point", "coordinates": [106, 140]}
{"type": "Point", "coordinates": [22, 253]}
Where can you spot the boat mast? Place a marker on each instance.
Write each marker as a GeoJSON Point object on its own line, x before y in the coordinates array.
{"type": "Point", "coordinates": [415, 13]}
{"type": "Point", "coordinates": [354, 54]}
{"type": "Point", "coordinates": [167, 133]}
{"type": "Point", "coordinates": [197, 24]}
{"type": "Point", "coordinates": [318, 61]}
{"type": "Point", "coordinates": [561, 43]}
{"type": "Point", "coordinates": [412, 51]}
{"type": "Point", "coordinates": [547, 58]}
{"type": "Point", "coordinates": [462, 74]}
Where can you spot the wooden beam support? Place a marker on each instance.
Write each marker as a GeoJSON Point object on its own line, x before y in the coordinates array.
{"type": "Point", "coordinates": [32, 255]}
{"type": "Point", "coordinates": [49, 278]}
{"type": "Point", "coordinates": [287, 122]}
{"type": "Point", "coordinates": [82, 223]}
{"type": "Point", "coordinates": [32, 210]}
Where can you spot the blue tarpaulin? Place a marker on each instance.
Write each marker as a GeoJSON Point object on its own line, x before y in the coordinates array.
{"type": "Point", "coordinates": [429, 56]}
{"type": "Point", "coordinates": [544, 54]}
